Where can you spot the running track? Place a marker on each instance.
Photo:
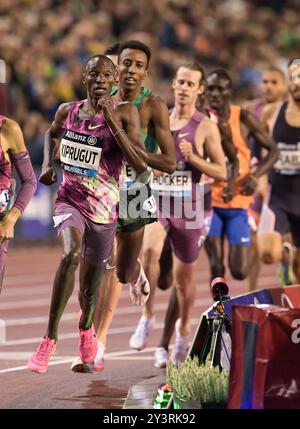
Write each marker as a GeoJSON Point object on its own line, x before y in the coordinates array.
{"type": "Point", "coordinates": [24, 305]}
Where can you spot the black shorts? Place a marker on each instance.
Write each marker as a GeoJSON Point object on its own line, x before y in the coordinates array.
{"type": "Point", "coordinates": [137, 208]}
{"type": "Point", "coordinates": [287, 211]}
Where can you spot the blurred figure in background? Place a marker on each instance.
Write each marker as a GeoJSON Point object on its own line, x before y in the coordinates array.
{"type": "Point", "coordinates": [13, 153]}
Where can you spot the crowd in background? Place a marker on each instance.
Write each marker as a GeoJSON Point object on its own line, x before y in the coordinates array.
{"type": "Point", "coordinates": [45, 43]}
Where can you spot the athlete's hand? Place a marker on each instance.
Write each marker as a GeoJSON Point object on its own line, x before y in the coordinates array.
{"type": "Point", "coordinates": [6, 229]}
{"type": "Point", "coordinates": [227, 194]}
{"type": "Point", "coordinates": [48, 176]}
{"type": "Point", "coordinates": [105, 104]}
{"type": "Point", "coordinates": [186, 149]}
{"type": "Point", "coordinates": [139, 292]}
{"type": "Point", "coordinates": [248, 185]}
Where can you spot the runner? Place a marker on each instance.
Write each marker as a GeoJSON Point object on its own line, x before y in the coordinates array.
{"type": "Point", "coordinates": [12, 152]}
{"type": "Point", "coordinates": [133, 64]}
{"type": "Point", "coordinates": [195, 136]}
{"type": "Point", "coordinates": [230, 215]}
{"type": "Point", "coordinates": [94, 141]}
{"type": "Point", "coordinates": [284, 125]}
{"type": "Point", "coordinates": [273, 90]}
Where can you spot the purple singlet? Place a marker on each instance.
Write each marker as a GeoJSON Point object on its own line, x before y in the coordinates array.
{"type": "Point", "coordinates": [92, 160]}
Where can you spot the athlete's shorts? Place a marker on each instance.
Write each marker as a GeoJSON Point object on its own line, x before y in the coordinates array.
{"type": "Point", "coordinates": [285, 220]}
{"type": "Point", "coordinates": [233, 223]}
{"type": "Point", "coordinates": [3, 254]}
{"type": "Point", "coordinates": [185, 241]}
{"type": "Point", "coordinates": [137, 208]}
{"type": "Point", "coordinates": [97, 239]}
{"type": "Point", "coordinates": [194, 245]}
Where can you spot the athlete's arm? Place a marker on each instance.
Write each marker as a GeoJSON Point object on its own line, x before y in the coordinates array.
{"type": "Point", "coordinates": [263, 139]}
{"type": "Point", "coordinates": [231, 154]}
{"type": "Point", "coordinates": [127, 137]}
{"type": "Point", "coordinates": [216, 168]}
{"type": "Point", "coordinates": [14, 143]}
{"type": "Point", "coordinates": [166, 159]}
{"type": "Point", "coordinates": [48, 174]}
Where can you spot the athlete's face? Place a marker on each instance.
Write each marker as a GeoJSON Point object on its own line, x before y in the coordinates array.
{"type": "Point", "coordinates": [294, 81]}
{"type": "Point", "coordinates": [218, 92]}
{"type": "Point", "coordinates": [187, 86]}
{"type": "Point", "coordinates": [273, 86]}
{"type": "Point", "coordinates": [99, 78]}
{"type": "Point", "coordinates": [132, 68]}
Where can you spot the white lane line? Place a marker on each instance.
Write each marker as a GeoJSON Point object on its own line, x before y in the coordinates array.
{"type": "Point", "coordinates": [111, 331]}
{"type": "Point", "coordinates": [70, 359]}
{"type": "Point", "coordinates": [31, 303]}
{"type": "Point", "coordinates": [40, 302]}
{"type": "Point", "coordinates": [24, 321]}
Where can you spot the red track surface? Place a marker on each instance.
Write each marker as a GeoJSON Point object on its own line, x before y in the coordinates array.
{"type": "Point", "coordinates": [24, 305]}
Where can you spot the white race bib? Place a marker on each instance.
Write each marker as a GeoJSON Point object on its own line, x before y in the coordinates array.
{"type": "Point", "coordinates": [288, 162]}
{"type": "Point", "coordinates": [80, 153]}
{"type": "Point", "coordinates": [179, 183]}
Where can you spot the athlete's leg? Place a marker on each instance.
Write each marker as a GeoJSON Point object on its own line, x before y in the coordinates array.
{"type": "Point", "coordinates": [63, 286]}
{"type": "Point", "coordinates": [214, 245]}
{"type": "Point", "coordinates": [238, 260]}
{"type": "Point", "coordinates": [89, 279]}
{"type": "Point", "coordinates": [129, 248]}
{"type": "Point", "coordinates": [295, 235]}
{"type": "Point", "coordinates": [108, 297]}
{"type": "Point", "coordinates": [3, 254]}
{"type": "Point", "coordinates": [270, 243]}
{"type": "Point", "coordinates": [254, 265]}
{"type": "Point", "coordinates": [172, 314]}
{"type": "Point", "coordinates": [70, 239]}
{"type": "Point", "coordinates": [153, 243]}
{"type": "Point", "coordinates": [296, 265]}
{"type": "Point", "coordinates": [215, 252]}
{"type": "Point", "coordinates": [165, 277]}
{"type": "Point", "coordinates": [186, 292]}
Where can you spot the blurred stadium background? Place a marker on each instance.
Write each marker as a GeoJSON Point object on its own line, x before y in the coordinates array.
{"type": "Point", "coordinates": [44, 45]}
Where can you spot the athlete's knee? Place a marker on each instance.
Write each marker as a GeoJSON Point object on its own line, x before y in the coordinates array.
{"type": "Point", "coordinates": [71, 258]}
{"type": "Point", "coordinates": [239, 273]}
{"type": "Point", "coordinates": [150, 259]}
{"type": "Point", "coordinates": [124, 275]}
{"type": "Point", "coordinates": [269, 247]}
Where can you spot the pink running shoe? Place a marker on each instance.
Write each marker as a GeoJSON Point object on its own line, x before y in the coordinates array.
{"type": "Point", "coordinates": [88, 345]}
{"type": "Point", "coordinates": [99, 359]}
{"type": "Point", "coordinates": [39, 360]}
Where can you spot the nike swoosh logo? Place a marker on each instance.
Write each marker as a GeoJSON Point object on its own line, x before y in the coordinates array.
{"type": "Point", "coordinates": [93, 127]}
{"type": "Point", "coordinates": [183, 135]}
{"type": "Point", "coordinates": [110, 267]}
{"type": "Point", "coordinates": [105, 260]}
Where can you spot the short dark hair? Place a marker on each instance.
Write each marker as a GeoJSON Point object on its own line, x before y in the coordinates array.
{"type": "Point", "coordinates": [195, 66]}
{"type": "Point", "coordinates": [275, 69]}
{"type": "Point", "coordinates": [100, 57]}
{"type": "Point", "coordinates": [136, 44]}
{"type": "Point", "coordinates": [221, 74]}
{"type": "Point", "coordinates": [113, 49]}
{"type": "Point", "coordinates": [292, 60]}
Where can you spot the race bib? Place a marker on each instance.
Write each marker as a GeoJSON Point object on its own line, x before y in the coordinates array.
{"type": "Point", "coordinates": [4, 200]}
{"type": "Point", "coordinates": [131, 180]}
{"type": "Point", "coordinates": [177, 184]}
{"type": "Point", "coordinates": [80, 153]}
{"type": "Point", "coordinates": [288, 162]}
